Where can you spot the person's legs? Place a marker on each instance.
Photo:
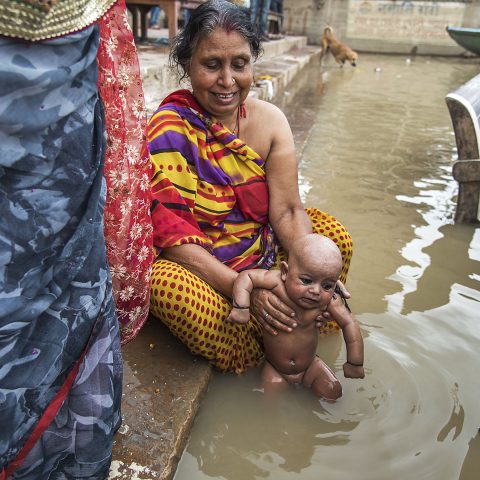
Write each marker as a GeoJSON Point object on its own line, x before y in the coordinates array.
{"type": "Point", "coordinates": [78, 442]}
{"type": "Point", "coordinates": [264, 17]}
{"type": "Point", "coordinates": [272, 381]}
{"type": "Point", "coordinates": [186, 16]}
{"type": "Point", "coordinates": [322, 381]}
{"type": "Point", "coordinates": [271, 375]}
{"type": "Point", "coordinates": [254, 11]}
{"type": "Point", "coordinates": [195, 313]}
{"type": "Point", "coordinates": [154, 14]}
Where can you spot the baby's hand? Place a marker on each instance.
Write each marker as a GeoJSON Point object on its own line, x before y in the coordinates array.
{"type": "Point", "coordinates": [337, 305]}
{"type": "Point", "coordinates": [353, 371]}
{"type": "Point", "coordinates": [239, 315]}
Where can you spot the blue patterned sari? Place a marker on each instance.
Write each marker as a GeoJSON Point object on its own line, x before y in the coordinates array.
{"type": "Point", "coordinates": [60, 363]}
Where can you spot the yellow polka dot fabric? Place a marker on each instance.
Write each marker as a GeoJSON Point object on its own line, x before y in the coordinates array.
{"type": "Point", "coordinates": [195, 313]}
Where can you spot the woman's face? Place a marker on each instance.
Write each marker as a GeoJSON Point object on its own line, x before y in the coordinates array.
{"type": "Point", "coordinates": [221, 73]}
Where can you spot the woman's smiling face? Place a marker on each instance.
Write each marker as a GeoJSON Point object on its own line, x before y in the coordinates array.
{"type": "Point", "coordinates": [221, 73]}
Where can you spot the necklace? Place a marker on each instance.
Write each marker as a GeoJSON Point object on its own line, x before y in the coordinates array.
{"type": "Point", "coordinates": [241, 113]}
{"type": "Point", "coordinates": [237, 124]}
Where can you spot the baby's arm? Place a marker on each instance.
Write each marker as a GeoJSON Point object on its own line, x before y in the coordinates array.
{"type": "Point", "coordinates": [353, 367]}
{"type": "Point", "coordinates": [243, 286]}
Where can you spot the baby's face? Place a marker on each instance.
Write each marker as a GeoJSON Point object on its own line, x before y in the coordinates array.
{"type": "Point", "coordinates": [310, 284]}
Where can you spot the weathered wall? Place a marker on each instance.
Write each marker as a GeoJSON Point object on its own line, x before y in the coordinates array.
{"type": "Point", "coordinates": [389, 26]}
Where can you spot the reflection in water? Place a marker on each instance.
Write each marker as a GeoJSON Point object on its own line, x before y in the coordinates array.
{"type": "Point", "coordinates": [455, 422]}
{"type": "Point", "coordinates": [375, 149]}
{"type": "Point", "coordinates": [470, 465]}
{"type": "Point", "coordinates": [295, 427]}
{"type": "Point", "coordinates": [448, 263]}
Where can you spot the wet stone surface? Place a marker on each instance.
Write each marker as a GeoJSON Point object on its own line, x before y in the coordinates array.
{"type": "Point", "coordinates": [163, 386]}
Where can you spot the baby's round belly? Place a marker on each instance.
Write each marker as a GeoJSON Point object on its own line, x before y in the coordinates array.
{"type": "Point", "coordinates": [290, 353]}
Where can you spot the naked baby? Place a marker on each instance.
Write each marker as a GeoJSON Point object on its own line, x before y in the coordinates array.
{"type": "Point", "coordinates": [307, 283]}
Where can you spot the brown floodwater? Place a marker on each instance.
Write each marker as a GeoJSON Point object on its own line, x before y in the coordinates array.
{"type": "Point", "coordinates": [375, 149]}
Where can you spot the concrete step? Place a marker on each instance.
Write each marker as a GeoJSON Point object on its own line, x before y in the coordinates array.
{"type": "Point", "coordinates": [273, 74]}
{"type": "Point", "coordinates": [163, 385]}
{"type": "Point", "coordinates": [283, 45]}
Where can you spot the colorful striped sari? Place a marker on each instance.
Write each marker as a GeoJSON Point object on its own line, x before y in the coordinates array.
{"type": "Point", "coordinates": [208, 187]}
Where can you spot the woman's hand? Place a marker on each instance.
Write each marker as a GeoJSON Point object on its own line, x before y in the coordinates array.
{"type": "Point", "coordinates": [344, 292]}
{"type": "Point", "coordinates": [271, 312]}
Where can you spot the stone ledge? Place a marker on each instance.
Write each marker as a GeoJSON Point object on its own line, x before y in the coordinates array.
{"type": "Point", "coordinates": [282, 69]}
{"type": "Point", "coordinates": [162, 388]}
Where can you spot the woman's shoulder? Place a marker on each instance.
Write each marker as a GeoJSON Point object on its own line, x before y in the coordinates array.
{"type": "Point", "coordinates": [265, 115]}
{"type": "Point", "coordinates": [262, 107]}
{"type": "Point", "coordinates": [267, 118]}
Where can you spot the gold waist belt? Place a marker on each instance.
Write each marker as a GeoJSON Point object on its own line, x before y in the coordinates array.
{"type": "Point", "coordinates": [41, 19]}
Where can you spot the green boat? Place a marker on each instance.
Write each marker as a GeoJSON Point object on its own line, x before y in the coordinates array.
{"type": "Point", "coordinates": [468, 38]}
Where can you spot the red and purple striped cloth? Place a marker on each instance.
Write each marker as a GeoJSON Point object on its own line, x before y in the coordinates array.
{"type": "Point", "coordinates": [208, 186]}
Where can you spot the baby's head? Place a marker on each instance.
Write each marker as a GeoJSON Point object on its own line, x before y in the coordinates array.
{"type": "Point", "coordinates": [311, 273]}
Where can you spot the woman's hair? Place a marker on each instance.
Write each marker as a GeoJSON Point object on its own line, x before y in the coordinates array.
{"type": "Point", "coordinates": [203, 21]}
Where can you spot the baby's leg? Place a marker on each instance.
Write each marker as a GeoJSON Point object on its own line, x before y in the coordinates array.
{"type": "Point", "coordinates": [272, 380]}
{"type": "Point", "coordinates": [322, 380]}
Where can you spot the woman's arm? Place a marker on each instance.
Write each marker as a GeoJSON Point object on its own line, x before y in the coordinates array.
{"type": "Point", "coordinates": [286, 211]}
{"type": "Point", "coordinates": [201, 263]}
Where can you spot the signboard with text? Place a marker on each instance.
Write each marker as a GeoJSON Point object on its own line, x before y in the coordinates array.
{"type": "Point", "coordinates": [403, 21]}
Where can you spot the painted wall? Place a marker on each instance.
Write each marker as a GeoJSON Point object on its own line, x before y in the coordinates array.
{"type": "Point", "coordinates": [388, 26]}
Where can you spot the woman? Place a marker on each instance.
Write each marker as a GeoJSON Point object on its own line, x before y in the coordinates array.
{"type": "Point", "coordinates": [67, 76]}
{"type": "Point", "coordinates": [225, 193]}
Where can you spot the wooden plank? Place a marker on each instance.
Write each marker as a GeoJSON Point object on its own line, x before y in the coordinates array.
{"type": "Point", "coordinates": [464, 107]}
{"type": "Point", "coordinates": [170, 7]}
{"type": "Point", "coordinates": [466, 170]}
{"type": "Point", "coordinates": [468, 203]}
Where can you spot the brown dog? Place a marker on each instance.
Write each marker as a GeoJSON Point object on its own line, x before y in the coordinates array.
{"type": "Point", "coordinates": [339, 50]}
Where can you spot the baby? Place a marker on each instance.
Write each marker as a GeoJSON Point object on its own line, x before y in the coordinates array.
{"type": "Point", "coordinates": [307, 283]}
